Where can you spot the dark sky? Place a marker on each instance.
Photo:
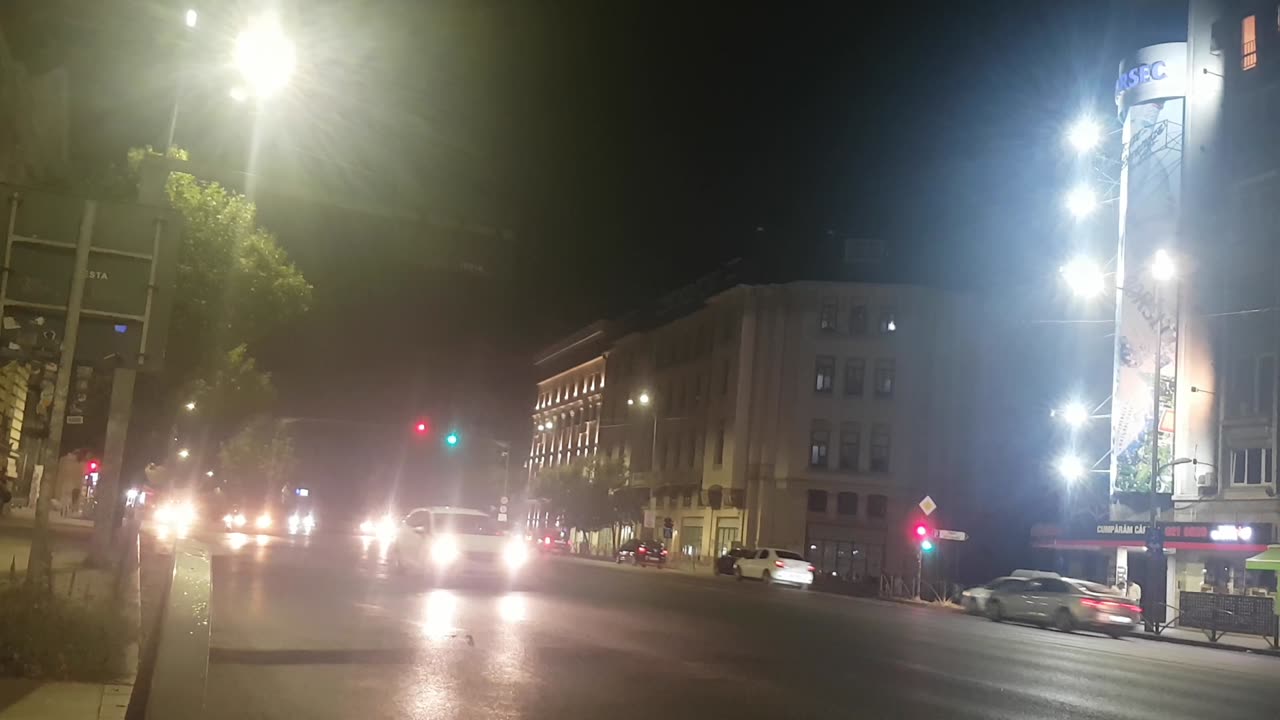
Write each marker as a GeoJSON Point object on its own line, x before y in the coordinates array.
{"type": "Point", "coordinates": [628, 146]}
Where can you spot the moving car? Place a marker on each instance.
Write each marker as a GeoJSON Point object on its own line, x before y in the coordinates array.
{"type": "Point", "coordinates": [452, 540]}
{"type": "Point", "coordinates": [775, 565]}
{"type": "Point", "coordinates": [1065, 603]}
{"type": "Point", "coordinates": [642, 552]}
{"type": "Point", "coordinates": [553, 542]}
{"type": "Point", "coordinates": [974, 600]}
{"type": "Point", "coordinates": [726, 563]}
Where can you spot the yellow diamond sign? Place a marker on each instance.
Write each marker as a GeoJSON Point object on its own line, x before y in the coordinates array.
{"type": "Point", "coordinates": [928, 505]}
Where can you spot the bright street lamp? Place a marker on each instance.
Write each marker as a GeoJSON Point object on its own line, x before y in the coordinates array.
{"type": "Point", "coordinates": [1071, 468]}
{"type": "Point", "coordinates": [1075, 414]}
{"type": "Point", "coordinates": [264, 55]}
{"type": "Point", "coordinates": [1163, 268]}
{"type": "Point", "coordinates": [1081, 202]}
{"type": "Point", "coordinates": [1084, 277]}
{"type": "Point", "coordinates": [644, 398]}
{"type": "Point", "coordinates": [1084, 135]}
{"type": "Point", "coordinates": [208, 473]}
{"type": "Point", "coordinates": [184, 453]}
{"type": "Point", "coordinates": [190, 406]}
{"type": "Point", "coordinates": [192, 17]}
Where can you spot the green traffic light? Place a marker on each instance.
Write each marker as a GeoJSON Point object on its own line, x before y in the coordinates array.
{"type": "Point", "coordinates": [926, 545]}
{"type": "Point", "coordinates": [451, 439]}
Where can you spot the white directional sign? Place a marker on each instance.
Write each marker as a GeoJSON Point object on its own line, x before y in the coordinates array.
{"type": "Point", "coordinates": [957, 535]}
{"type": "Point", "coordinates": [928, 505]}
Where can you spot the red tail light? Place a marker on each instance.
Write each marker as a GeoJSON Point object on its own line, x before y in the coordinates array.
{"type": "Point", "coordinates": [812, 569]}
{"type": "Point", "coordinates": [779, 563]}
{"type": "Point", "coordinates": [664, 553]}
{"type": "Point", "coordinates": [1108, 605]}
{"type": "Point", "coordinates": [643, 550]}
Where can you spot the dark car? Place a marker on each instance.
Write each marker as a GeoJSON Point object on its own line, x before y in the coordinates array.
{"type": "Point", "coordinates": [554, 542]}
{"type": "Point", "coordinates": [725, 563]}
{"type": "Point", "coordinates": [642, 552]}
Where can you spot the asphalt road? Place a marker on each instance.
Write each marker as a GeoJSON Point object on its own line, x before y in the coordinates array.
{"type": "Point", "coordinates": [321, 628]}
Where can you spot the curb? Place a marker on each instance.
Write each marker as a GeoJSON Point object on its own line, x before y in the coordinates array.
{"type": "Point", "coordinates": [116, 695]}
{"type": "Point", "coordinates": [1206, 644]}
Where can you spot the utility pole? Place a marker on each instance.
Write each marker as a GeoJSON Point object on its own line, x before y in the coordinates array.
{"type": "Point", "coordinates": [40, 561]}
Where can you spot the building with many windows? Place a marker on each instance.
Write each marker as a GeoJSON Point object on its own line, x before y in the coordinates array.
{"type": "Point", "coordinates": [566, 412]}
{"type": "Point", "coordinates": [809, 415]}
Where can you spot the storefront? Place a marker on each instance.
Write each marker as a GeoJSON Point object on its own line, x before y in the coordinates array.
{"type": "Point", "coordinates": [1199, 557]}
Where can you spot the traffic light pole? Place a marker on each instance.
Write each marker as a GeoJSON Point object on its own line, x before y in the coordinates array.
{"type": "Point", "coordinates": [919, 568]}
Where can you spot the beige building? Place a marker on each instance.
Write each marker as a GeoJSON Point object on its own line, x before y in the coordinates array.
{"type": "Point", "coordinates": [808, 415]}
{"type": "Point", "coordinates": [566, 413]}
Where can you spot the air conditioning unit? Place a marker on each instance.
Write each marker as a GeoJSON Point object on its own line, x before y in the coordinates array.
{"type": "Point", "coordinates": [1207, 481]}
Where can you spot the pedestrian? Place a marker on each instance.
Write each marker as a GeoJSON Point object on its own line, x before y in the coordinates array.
{"type": "Point", "coordinates": [1134, 592]}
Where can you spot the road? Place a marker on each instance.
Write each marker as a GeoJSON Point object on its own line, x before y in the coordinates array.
{"type": "Point", "coordinates": [321, 628]}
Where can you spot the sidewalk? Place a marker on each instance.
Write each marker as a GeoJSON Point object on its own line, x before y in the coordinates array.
{"type": "Point", "coordinates": [27, 699]}
{"type": "Point", "coordinates": [1188, 636]}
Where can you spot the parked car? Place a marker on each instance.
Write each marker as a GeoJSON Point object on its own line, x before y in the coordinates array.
{"type": "Point", "coordinates": [725, 563]}
{"type": "Point", "coordinates": [1064, 603]}
{"type": "Point", "coordinates": [775, 565]}
{"type": "Point", "coordinates": [642, 552]}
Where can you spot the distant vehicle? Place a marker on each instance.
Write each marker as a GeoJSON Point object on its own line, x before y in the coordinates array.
{"type": "Point", "coordinates": [774, 565]}
{"type": "Point", "coordinates": [1064, 603]}
{"type": "Point", "coordinates": [642, 552]}
{"type": "Point", "coordinates": [451, 540]}
{"type": "Point", "coordinates": [553, 542]}
{"type": "Point", "coordinates": [974, 600]}
{"type": "Point", "coordinates": [726, 563]}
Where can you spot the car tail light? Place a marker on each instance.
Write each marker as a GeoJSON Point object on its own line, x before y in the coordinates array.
{"type": "Point", "coordinates": [664, 553]}
{"type": "Point", "coordinates": [812, 569]}
{"type": "Point", "coordinates": [1108, 605]}
{"type": "Point", "coordinates": [779, 563]}
{"type": "Point", "coordinates": [642, 550]}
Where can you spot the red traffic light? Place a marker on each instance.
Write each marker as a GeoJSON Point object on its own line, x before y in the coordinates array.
{"type": "Point", "coordinates": [93, 466]}
{"type": "Point", "coordinates": [422, 427]}
{"type": "Point", "coordinates": [922, 531]}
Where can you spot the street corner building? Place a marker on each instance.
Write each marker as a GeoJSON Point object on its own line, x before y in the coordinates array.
{"type": "Point", "coordinates": [806, 415]}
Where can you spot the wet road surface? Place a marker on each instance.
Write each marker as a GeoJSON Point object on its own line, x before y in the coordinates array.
{"type": "Point", "coordinates": [321, 628]}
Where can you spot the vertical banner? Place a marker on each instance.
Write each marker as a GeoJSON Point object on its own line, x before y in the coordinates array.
{"type": "Point", "coordinates": [1149, 95]}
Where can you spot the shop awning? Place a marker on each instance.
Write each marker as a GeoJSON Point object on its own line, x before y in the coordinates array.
{"type": "Point", "coordinates": [1268, 559]}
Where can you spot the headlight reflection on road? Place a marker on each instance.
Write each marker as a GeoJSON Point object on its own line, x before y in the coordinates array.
{"type": "Point", "coordinates": [262, 540]}
{"type": "Point", "coordinates": [237, 540]}
{"type": "Point", "coordinates": [441, 609]}
{"type": "Point", "coordinates": [512, 608]}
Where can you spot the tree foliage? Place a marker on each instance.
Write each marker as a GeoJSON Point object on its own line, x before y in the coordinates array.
{"type": "Point", "coordinates": [590, 493]}
{"type": "Point", "coordinates": [258, 461]}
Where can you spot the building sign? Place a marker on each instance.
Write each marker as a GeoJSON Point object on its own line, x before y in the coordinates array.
{"type": "Point", "coordinates": [1153, 73]}
{"type": "Point", "coordinates": [1243, 534]}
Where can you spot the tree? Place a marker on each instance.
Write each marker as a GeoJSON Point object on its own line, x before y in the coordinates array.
{"type": "Point", "coordinates": [592, 493]}
{"type": "Point", "coordinates": [259, 460]}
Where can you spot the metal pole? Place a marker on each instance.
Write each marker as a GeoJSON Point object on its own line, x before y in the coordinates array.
{"type": "Point", "coordinates": [40, 561]}
{"type": "Point", "coordinates": [653, 444]}
{"type": "Point", "coordinates": [919, 569]}
{"type": "Point", "coordinates": [111, 474]}
{"type": "Point", "coordinates": [1152, 528]}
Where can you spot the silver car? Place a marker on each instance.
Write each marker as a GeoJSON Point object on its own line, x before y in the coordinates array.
{"type": "Point", "coordinates": [1065, 604]}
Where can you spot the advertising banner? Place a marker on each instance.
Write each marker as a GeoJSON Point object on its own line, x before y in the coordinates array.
{"type": "Point", "coordinates": [1146, 311]}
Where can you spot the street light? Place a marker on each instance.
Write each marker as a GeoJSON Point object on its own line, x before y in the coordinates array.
{"type": "Point", "coordinates": [208, 473]}
{"type": "Point", "coordinates": [1163, 268]}
{"type": "Point", "coordinates": [192, 17]}
{"type": "Point", "coordinates": [264, 55]}
{"type": "Point", "coordinates": [1084, 135]}
{"type": "Point", "coordinates": [644, 398]}
{"type": "Point", "coordinates": [1071, 468]}
{"type": "Point", "coordinates": [1084, 277]}
{"type": "Point", "coordinates": [191, 406]}
{"type": "Point", "coordinates": [184, 453]}
{"type": "Point", "coordinates": [1074, 414]}
{"type": "Point", "coordinates": [1081, 201]}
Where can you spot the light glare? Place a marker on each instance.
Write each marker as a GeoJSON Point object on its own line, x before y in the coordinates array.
{"type": "Point", "coordinates": [264, 55]}
{"type": "Point", "coordinates": [1081, 201]}
{"type": "Point", "coordinates": [1163, 267]}
{"type": "Point", "coordinates": [1084, 135]}
{"type": "Point", "coordinates": [1084, 277]}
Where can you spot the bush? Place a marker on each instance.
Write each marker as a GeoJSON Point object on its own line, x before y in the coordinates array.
{"type": "Point", "coordinates": [59, 639]}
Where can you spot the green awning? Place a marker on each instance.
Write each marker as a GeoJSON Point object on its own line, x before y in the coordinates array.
{"type": "Point", "coordinates": [1268, 559]}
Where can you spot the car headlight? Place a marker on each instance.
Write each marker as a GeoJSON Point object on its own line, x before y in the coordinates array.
{"type": "Point", "coordinates": [367, 527]}
{"type": "Point", "coordinates": [227, 520]}
{"type": "Point", "coordinates": [239, 520]}
{"type": "Point", "coordinates": [263, 522]}
{"type": "Point", "coordinates": [308, 522]}
{"type": "Point", "coordinates": [515, 554]}
{"type": "Point", "coordinates": [444, 550]}
{"type": "Point", "coordinates": [164, 514]}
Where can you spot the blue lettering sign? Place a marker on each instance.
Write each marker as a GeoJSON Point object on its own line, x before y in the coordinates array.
{"type": "Point", "coordinates": [1157, 70]}
{"type": "Point", "coordinates": [1141, 75]}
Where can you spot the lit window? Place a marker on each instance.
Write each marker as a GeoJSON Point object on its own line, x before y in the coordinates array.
{"type": "Point", "coordinates": [887, 323]}
{"type": "Point", "coordinates": [824, 370]}
{"type": "Point", "coordinates": [819, 440]}
{"type": "Point", "coordinates": [827, 315]}
{"type": "Point", "coordinates": [1249, 43]}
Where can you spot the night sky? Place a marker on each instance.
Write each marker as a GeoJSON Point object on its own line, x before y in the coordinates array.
{"type": "Point", "coordinates": [626, 147]}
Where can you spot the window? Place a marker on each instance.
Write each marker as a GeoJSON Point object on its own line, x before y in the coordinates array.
{"type": "Point", "coordinates": [886, 375]}
{"type": "Point", "coordinates": [824, 370]}
{"type": "Point", "coordinates": [686, 500]}
{"type": "Point", "coordinates": [858, 318]}
{"type": "Point", "coordinates": [1249, 43]}
{"type": "Point", "coordinates": [720, 444]}
{"type": "Point", "coordinates": [880, 447]}
{"type": "Point", "coordinates": [877, 506]}
{"type": "Point", "coordinates": [847, 503]}
{"type": "Point", "coordinates": [827, 315]}
{"type": "Point", "coordinates": [819, 439]}
{"type": "Point", "coordinates": [1250, 466]}
{"type": "Point", "coordinates": [817, 501]}
{"type": "Point", "coordinates": [850, 445]}
{"type": "Point", "coordinates": [887, 323]}
{"type": "Point", "coordinates": [855, 371]}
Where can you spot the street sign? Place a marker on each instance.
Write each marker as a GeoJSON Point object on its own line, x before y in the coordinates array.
{"type": "Point", "coordinates": [927, 505]}
{"type": "Point", "coordinates": [668, 533]}
{"type": "Point", "coordinates": [957, 535]}
{"type": "Point", "coordinates": [503, 500]}
{"type": "Point", "coordinates": [502, 517]}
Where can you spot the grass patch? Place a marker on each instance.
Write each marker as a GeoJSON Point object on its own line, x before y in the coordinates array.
{"type": "Point", "coordinates": [56, 638]}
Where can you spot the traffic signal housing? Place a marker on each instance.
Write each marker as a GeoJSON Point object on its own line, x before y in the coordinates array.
{"type": "Point", "coordinates": [924, 535]}
{"type": "Point", "coordinates": [91, 466]}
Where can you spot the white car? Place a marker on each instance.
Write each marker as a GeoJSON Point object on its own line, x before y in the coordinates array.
{"type": "Point", "coordinates": [450, 540]}
{"type": "Point", "coordinates": [775, 565]}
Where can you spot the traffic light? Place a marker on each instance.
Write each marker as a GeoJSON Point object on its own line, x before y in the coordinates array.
{"type": "Point", "coordinates": [922, 531]}
{"type": "Point", "coordinates": [92, 466]}
{"type": "Point", "coordinates": [422, 427]}
{"type": "Point", "coordinates": [926, 545]}
{"type": "Point", "coordinates": [452, 439]}
{"type": "Point", "coordinates": [924, 535]}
